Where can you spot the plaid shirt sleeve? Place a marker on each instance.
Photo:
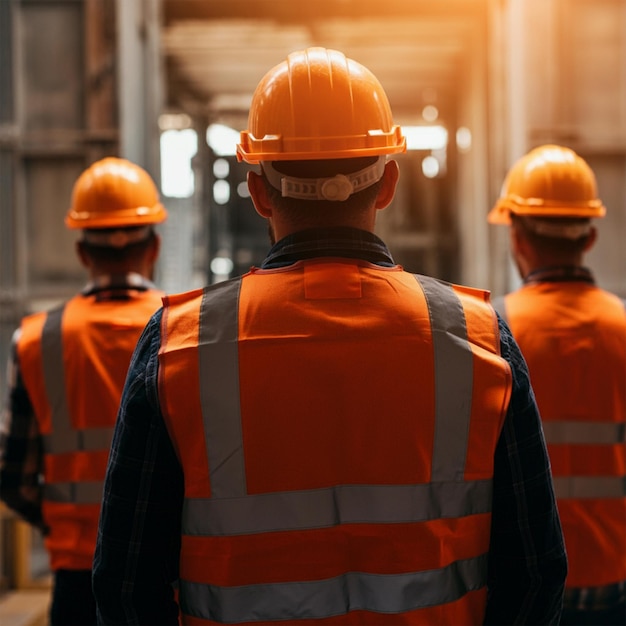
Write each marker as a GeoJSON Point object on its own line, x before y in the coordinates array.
{"type": "Point", "coordinates": [21, 448]}
{"type": "Point", "coordinates": [527, 559]}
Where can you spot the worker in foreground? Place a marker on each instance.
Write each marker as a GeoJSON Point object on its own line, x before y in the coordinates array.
{"type": "Point", "coordinates": [573, 336]}
{"type": "Point", "coordinates": [67, 372]}
{"type": "Point", "coordinates": [327, 439]}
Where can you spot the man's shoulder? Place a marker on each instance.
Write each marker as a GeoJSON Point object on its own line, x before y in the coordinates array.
{"type": "Point", "coordinates": [468, 295]}
{"type": "Point", "coordinates": [173, 300]}
{"type": "Point", "coordinates": [615, 299]}
{"type": "Point", "coordinates": [182, 310]}
{"type": "Point", "coordinates": [31, 325]}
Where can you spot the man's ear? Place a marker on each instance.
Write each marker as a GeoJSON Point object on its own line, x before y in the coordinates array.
{"type": "Point", "coordinates": [389, 183]}
{"type": "Point", "coordinates": [258, 193]}
{"type": "Point", "coordinates": [521, 248]}
{"type": "Point", "coordinates": [155, 248]}
{"type": "Point", "coordinates": [82, 255]}
{"type": "Point", "coordinates": [517, 239]}
{"type": "Point", "coordinates": [591, 238]}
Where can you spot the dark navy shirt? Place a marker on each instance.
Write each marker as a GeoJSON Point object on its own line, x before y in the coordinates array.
{"type": "Point", "coordinates": [136, 562]}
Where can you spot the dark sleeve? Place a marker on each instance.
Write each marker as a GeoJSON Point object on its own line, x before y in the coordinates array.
{"type": "Point", "coordinates": [138, 546]}
{"type": "Point", "coordinates": [21, 450]}
{"type": "Point", "coordinates": [527, 560]}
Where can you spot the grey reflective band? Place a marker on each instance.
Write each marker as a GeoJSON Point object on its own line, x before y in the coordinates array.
{"type": "Point", "coordinates": [336, 188]}
{"type": "Point", "coordinates": [64, 437]}
{"type": "Point", "coordinates": [573, 432]}
{"type": "Point", "coordinates": [586, 487]}
{"type": "Point", "coordinates": [219, 388]}
{"type": "Point", "coordinates": [596, 597]}
{"type": "Point", "coordinates": [454, 377]}
{"type": "Point", "coordinates": [354, 591]}
{"type": "Point", "coordinates": [344, 504]}
{"type": "Point", "coordinates": [76, 493]}
{"type": "Point", "coordinates": [88, 440]}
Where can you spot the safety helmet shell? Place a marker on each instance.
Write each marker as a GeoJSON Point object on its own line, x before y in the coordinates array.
{"type": "Point", "coordinates": [114, 192]}
{"type": "Point", "coordinates": [550, 181]}
{"type": "Point", "coordinates": [318, 104]}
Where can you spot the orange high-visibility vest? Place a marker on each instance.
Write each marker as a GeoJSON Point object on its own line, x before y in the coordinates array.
{"type": "Point", "coordinates": [73, 362]}
{"type": "Point", "coordinates": [573, 337]}
{"type": "Point", "coordinates": [336, 422]}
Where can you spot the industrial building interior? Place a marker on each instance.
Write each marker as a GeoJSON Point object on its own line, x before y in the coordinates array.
{"type": "Point", "coordinates": [167, 84]}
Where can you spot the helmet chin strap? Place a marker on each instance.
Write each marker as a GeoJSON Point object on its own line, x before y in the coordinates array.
{"type": "Point", "coordinates": [336, 188]}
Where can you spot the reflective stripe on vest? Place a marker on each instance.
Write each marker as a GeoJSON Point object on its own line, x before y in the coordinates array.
{"type": "Point", "coordinates": [584, 432]}
{"type": "Point", "coordinates": [397, 593]}
{"type": "Point", "coordinates": [87, 492]}
{"type": "Point", "coordinates": [452, 368]}
{"type": "Point", "coordinates": [589, 486]}
{"type": "Point", "coordinates": [64, 437]}
{"type": "Point", "coordinates": [576, 432]}
{"type": "Point", "coordinates": [344, 504]}
{"type": "Point", "coordinates": [230, 511]}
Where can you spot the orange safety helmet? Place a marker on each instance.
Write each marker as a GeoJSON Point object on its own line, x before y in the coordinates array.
{"type": "Point", "coordinates": [114, 193]}
{"type": "Point", "coordinates": [319, 105]}
{"type": "Point", "coordinates": [550, 181]}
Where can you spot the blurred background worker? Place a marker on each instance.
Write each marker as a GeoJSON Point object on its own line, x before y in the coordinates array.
{"type": "Point", "coordinates": [67, 372]}
{"type": "Point", "coordinates": [573, 336]}
{"type": "Point", "coordinates": [327, 437]}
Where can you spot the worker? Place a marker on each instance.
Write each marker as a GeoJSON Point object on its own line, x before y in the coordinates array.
{"type": "Point", "coordinates": [67, 373]}
{"type": "Point", "coordinates": [328, 437]}
{"type": "Point", "coordinates": [572, 334]}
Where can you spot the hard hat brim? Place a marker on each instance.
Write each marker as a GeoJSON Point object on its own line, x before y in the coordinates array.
{"type": "Point", "coordinates": [501, 212]}
{"type": "Point", "coordinates": [116, 219]}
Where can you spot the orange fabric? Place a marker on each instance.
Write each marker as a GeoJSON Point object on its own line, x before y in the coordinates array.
{"type": "Point", "coordinates": [392, 456]}
{"type": "Point", "coordinates": [588, 459]}
{"type": "Point", "coordinates": [573, 337]}
{"type": "Point", "coordinates": [188, 403]}
{"type": "Point", "coordinates": [76, 466]}
{"type": "Point", "coordinates": [98, 341]}
{"type": "Point", "coordinates": [71, 541]}
{"type": "Point", "coordinates": [328, 552]}
{"type": "Point", "coordinates": [334, 317]}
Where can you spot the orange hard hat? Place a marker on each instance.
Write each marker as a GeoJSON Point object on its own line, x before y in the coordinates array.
{"type": "Point", "coordinates": [550, 181]}
{"type": "Point", "coordinates": [318, 104]}
{"type": "Point", "coordinates": [114, 193]}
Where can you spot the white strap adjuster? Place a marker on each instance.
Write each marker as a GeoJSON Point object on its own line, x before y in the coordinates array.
{"type": "Point", "coordinates": [335, 188]}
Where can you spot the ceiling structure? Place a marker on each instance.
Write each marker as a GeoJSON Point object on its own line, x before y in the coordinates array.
{"type": "Point", "coordinates": [216, 51]}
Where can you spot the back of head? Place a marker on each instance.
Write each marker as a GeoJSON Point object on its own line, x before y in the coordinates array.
{"type": "Point", "coordinates": [116, 205]}
{"type": "Point", "coordinates": [552, 188]}
{"type": "Point", "coordinates": [318, 105]}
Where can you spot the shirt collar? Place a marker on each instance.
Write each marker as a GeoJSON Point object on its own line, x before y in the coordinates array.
{"type": "Point", "coordinates": [344, 242]}
{"type": "Point", "coordinates": [566, 273]}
